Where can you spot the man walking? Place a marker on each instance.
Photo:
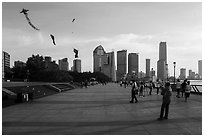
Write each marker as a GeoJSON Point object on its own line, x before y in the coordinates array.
{"type": "Point", "coordinates": [134, 91]}
{"type": "Point", "coordinates": [166, 92]}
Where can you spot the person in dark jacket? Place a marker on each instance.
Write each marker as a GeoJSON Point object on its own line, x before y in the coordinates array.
{"type": "Point", "coordinates": [134, 91]}
{"type": "Point", "coordinates": [183, 87]}
{"type": "Point", "coordinates": [166, 93]}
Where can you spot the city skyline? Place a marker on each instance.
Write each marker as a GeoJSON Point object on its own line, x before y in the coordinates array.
{"type": "Point", "coordinates": [136, 27]}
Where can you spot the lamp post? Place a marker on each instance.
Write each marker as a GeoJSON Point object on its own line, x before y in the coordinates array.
{"type": "Point", "coordinates": [152, 74]}
{"type": "Point", "coordinates": [174, 71]}
{"type": "Point", "coordinates": [167, 72]}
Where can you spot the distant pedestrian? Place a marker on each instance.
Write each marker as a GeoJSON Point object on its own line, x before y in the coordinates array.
{"type": "Point", "coordinates": [157, 86]}
{"type": "Point", "coordinates": [141, 89]}
{"type": "Point", "coordinates": [134, 91]}
{"type": "Point", "coordinates": [166, 92]}
{"type": "Point", "coordinates": [150, 88]}
{"type": "Point", "coordinates": [183, 87]}
{"type": "Point", "coordinates": [187, 91]}
{"type": "Point", "coordinates": [178, 88]}
{"type": "Point", "coordinates": [86, 84]}
{"type": "Point", "coordinates": [121, 83]}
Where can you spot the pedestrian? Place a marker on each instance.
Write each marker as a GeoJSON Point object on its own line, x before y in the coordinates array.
{"type": "Point", "coordinates": [150, 88]}
{"type": "Point", "coordinates": [157, 84]}
{"type": "Point", "coordinates": [141, 93]}
{"type": "Point", "coordinates": [121, 83]}
{"type": "Point", "coordinates": [134, 91]}
{"type": "Point", "coordinates": [187, 91]}
{"type": "Point", "coordinates": [166, 93]}
{"type": "Point", "coordinates": [86, 84]}
{"type": "Point", "coordinates": [183, 87]}
{"type": "Point", "coordinates": [178, 88]}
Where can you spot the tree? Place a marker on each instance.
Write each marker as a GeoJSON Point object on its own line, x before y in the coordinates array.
{"type": "Point", "coordinates": [35, 65]}
{"type": "Point", "coordinates": [19, 72]}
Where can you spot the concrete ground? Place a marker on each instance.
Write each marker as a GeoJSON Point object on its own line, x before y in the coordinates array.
{"type": "Point", "coordinates": [102, 110]}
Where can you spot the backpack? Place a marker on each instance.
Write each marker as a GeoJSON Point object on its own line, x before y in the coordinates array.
{"type": "Point", "coordinates": [135, 88]}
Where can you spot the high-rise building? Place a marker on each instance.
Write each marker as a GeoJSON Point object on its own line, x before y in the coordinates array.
{"type": "Point", "coordinates": [109, 66]}
{"type": "Point", "coordinates": [190, 73]}
{"type": "Point", "coordinates": [63, 64]}
{"type": "Point", "coordinates": [163, 51]}
{"type": "Point", "coordinates": [200, 68]}
{"type": "Point", "coordinates": [77, 65]}
{"type": "Point", "coordinates": [133, 63]}
{"type": "Point", "coordinates": [121, 64]}
{"type": "Point", "coordinates": [98, 59]}
{"type": "Point", "coordinates": [50, 65]}
{"type": "Point", "coordinates": [104, 62]}
{"type": "Point", "coordinates": [162, 72]}
{"type": "Point", "coordinates": [147, 67]}
{"type": "Point", "coordinates": [182, 73]}
{"type": "Point", "coordinates": [5, 63]}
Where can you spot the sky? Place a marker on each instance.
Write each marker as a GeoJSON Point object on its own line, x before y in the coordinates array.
{"type": "Point", "coordinates": [134, 26]}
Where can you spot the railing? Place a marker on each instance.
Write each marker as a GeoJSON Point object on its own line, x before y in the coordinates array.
{"type": "Point", "coordinates": [196, 89]}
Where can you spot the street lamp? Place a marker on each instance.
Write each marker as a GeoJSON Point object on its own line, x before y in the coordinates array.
{"type": "Point", "coordinates": [152, 74]}
{"type": "Point", "coordinates": [174, 71]}
{"type": "Point", "coordinates": [167, 72]}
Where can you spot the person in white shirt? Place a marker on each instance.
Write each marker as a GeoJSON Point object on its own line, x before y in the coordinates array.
{"type": "Point", "coordinates": [134, 91]}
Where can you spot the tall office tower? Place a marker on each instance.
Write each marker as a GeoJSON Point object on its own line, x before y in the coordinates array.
{"type": "Point", "coordinates": [104, 62]}
{"type": "Point", "coordinates": [63, 64]}
{"type": "Point", "coordinates": [162, 72]}
{"type": "Point", "coordinates": [109, 66]}
{"type": "Point", "coordinates": [98, 59]}
{"type": "Point", "coordinates": [121, 64]}
{"type": "Point", "coordinates": [77, 65]}
{"type": "Point", "coordinates": [182, 73]}
{"type": "Point", "coordinates": [50, 65]}
{"type": "Point", "coordinates": [133, 63]}
{"type": "Point", "coordinates": [200, 68]}
{"type": "Point", "coordinates": [5, 63]}
{"type": "Point", "coordinates": [190, 74]}
{"type": "Point", "coordinates": [147, 67]}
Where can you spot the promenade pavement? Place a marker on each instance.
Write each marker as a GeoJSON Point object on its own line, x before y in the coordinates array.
{"type": "Point", "coordinates": [102, 110]}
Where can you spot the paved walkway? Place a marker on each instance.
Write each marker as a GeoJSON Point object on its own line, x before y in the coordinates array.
{"type": "Point", "coordinates": [102, 110]}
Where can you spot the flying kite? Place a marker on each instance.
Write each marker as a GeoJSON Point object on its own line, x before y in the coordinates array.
{"type": "Point", "coordinates": [25, 12]}
{"type": "Point", "coordinates": [76, 53]}
{"type": "Point", "coordinates": [53, 39]}
{"type": "Point", "coordinates": [73, 20]}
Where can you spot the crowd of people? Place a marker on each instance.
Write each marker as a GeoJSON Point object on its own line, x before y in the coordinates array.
{"type": "Point", "coordinates": [162, 88]}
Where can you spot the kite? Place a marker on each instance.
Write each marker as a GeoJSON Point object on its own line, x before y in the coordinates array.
{"type": "Point", "coordinates": [76, 53]}
{"type": "Point", "coordinates": [73, 20]}
{"type": "Point", "coordinates": [24, 11]}
{"type": "Point", "coordinates": [53, 39]}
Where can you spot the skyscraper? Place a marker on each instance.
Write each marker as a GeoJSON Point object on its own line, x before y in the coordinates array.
{"type": "Point", "coordinates": [104, 62]}
{"type": "Point", "coordinates": [147, 67]}
{"type": "Point", "coordinates": [63, 64]}
{"type": "Point", "coordinates": [109, 66]}
{"type": "Point", "coordinates": [77, 65]}
{"type": "Point", "coordinates": [121, 64]}
{"type": "Point", "coordinates": [98, 59]}
{"type": "Point", "coordinates": [162, 62]}
{"type": "Point", "coordinates": [200, 68]}
{"type": "Point", "coordinates": [182, 73]}
{"type": "Point", "coordinates": [133, 63]}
